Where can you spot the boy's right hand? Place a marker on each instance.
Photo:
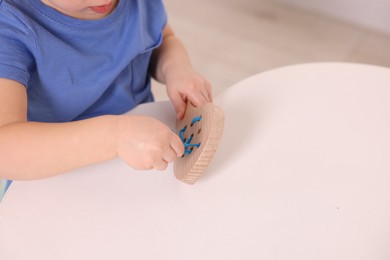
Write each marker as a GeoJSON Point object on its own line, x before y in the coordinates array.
{"type": "Point", "coordinates": [145, 143]}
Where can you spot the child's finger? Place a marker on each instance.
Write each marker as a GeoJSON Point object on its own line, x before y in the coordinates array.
{"type": "Point", "coordinates": [197, 99]}
{"type": "Point", "coordinates": [210, 93]}
{"type": "Point", "coordinates": [160, 166]}
{"type": "Point", "coordinates": [170, 155]}
{"type": "Point", "coordinates": [207, 97]}
{"type": "Point", "coordinates": [179, 104]}
{"type": "Point", "coordinates": [177, 146]}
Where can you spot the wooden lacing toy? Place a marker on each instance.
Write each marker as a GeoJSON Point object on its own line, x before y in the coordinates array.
{"type": "Point", "coordinates": [200, 131]}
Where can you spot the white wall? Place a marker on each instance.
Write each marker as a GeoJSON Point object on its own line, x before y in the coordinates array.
{"type": "Point", "coordinates": [374, 14]}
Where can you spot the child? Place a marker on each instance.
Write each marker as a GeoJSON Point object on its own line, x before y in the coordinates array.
{"type": "Point", "coordinates": [69, 69]}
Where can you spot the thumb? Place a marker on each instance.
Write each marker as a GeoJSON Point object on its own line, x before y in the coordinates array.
{"type": "Point", "coordinates": [179, 104]}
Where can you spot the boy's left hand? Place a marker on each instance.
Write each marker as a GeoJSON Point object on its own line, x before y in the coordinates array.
{"type": "Point", "coordinates": [184, 84]}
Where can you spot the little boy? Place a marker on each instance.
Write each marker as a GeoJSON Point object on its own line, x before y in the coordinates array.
{"type": "Point", "coordinates": [69, 69]}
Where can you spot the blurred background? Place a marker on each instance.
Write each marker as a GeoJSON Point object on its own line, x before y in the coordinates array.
{"type": "Point", "coordinates": [230, 40]}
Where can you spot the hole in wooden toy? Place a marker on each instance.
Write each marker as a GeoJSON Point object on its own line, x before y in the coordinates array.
{"type": "Point", "coordinates": [200, 130]}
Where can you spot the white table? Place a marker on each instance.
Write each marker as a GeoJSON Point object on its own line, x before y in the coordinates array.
{"type": "Point", "coordinates": [302, 172]}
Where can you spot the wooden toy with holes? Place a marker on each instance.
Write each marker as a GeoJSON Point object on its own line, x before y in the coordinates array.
{"type": "Point", "coordinates": [200, 131]}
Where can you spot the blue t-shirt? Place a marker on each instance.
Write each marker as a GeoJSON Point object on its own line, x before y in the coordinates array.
{"type": "Point", "coordinates": [75, 69]}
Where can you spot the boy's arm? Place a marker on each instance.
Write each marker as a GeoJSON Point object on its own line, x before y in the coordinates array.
{"type": "Point", "coordinates": [171, 65]}
{"type": "Point", "coordinates": [32, 150]}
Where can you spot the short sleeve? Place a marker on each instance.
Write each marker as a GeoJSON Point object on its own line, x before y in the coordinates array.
{"type": "Point", "coordinates": [16, 60]}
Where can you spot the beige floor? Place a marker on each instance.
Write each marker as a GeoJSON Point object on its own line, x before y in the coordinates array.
{"type": "Point", "coordinates": [229, 40]}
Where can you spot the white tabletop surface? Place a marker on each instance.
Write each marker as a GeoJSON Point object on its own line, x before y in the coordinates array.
{"type": "Point", "coordinates": [302, 172]}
